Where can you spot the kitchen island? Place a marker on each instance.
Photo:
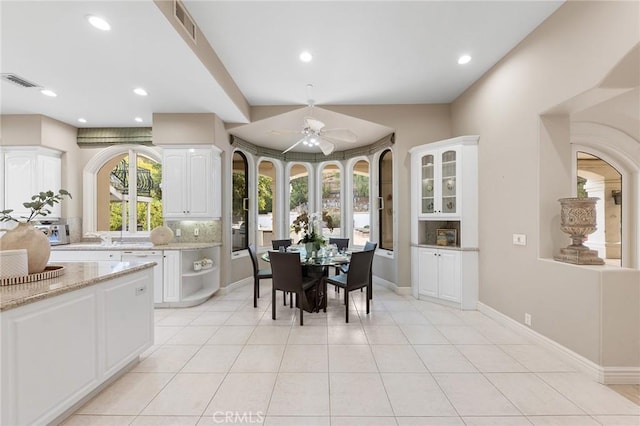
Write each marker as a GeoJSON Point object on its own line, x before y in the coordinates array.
{"type": "Point", "coordinates": [64, 337]}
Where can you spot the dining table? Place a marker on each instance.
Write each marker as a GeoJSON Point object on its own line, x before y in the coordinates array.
{"type": "Point", "coordinates": [316, 266]}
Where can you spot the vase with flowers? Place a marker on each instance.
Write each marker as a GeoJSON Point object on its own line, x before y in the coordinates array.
{"type": "Point", "coordinates": [309, 224]}
{"type": "Point", "coordinates": [25, 236]}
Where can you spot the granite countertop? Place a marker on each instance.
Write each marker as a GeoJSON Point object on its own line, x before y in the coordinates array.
{"type": "Point", "coordinates": [433, 246]}
{"type": "Point", "coordinates": [76, 276]}
{"type": "Point", "coordinates": [133, 246]}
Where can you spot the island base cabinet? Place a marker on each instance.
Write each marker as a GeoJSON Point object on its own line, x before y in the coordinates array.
{"type": "Point", "coordinates": [58, 350]}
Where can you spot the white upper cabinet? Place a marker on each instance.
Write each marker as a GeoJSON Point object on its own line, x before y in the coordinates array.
{"type": "Point", "coordinates": [439, 182]}
{"type": "Point", "coordinates": [28, 171]}
{"type": "Point", "coordinates": [191, 185]}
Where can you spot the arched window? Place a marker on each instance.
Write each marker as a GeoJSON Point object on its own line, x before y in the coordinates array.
{"type": "Point", "coordinates": [267, 210]}
{"type": "Point", "coordinates": [361, 210]}
{"type": "Point", "coordinates": [239, 201]}
{"type": "Point", "coordinates": [122, 190]}
{"type": "Point", "coordinates": [298, 194]}
{"type": "Point", "coordinates": [331, 202]}
{"type": "Point", "coordinates": [385, 200]}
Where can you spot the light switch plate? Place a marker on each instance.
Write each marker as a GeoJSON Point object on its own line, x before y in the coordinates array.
{"type": "Point", "coordinates": [519, 240]}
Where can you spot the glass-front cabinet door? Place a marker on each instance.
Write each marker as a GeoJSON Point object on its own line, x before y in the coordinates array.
{"type": "Point", "coordinates": [448, 200]}
{"type": "Point", "coordinates": [439, 183]}
{"type": "Point", "coordinates": [428, 182]}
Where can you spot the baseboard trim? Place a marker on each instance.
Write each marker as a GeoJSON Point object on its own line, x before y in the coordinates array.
{"type": "Point", "coordinates": [403, 291]}
{"type": "Point", "coordinates": [604, 375]}
{"type": "Point", "coordinates": [236, 285]}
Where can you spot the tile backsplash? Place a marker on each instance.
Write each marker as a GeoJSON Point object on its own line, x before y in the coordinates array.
{"type": "Point", "coordinates": [208, 231]}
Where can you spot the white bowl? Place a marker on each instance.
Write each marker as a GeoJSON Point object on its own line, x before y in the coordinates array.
{"type": "Point", "coordinates": [13, 263]}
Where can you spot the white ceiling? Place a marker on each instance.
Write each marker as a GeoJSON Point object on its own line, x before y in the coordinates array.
{"type": "Point", "coordinates": [386, 52]}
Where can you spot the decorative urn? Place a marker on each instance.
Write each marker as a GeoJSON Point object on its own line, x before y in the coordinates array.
{"type": "Point", "coordinates": [578, 219]}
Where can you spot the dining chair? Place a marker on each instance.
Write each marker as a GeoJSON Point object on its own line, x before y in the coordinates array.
{"type": "Point", "coordinates": [276, 244]}
{"type": "Point", "coordinates": [358, 277]}
{"type": "Point", "coordinates": [287, 276]}
{"type": "Point", "coordinates": [342, 244]}
{"type": "Point", "coordinates": [258, 274]}
{"type": "Point", "coordinates": [368, 246]}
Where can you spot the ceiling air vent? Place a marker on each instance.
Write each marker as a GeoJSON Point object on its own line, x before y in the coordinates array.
{"type": "Point", "coordinates": [16, 79]}
{"type": "Point", "coordinates": [185, 20]}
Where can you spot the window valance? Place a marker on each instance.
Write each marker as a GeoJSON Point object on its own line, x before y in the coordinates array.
{"type": "Point", "coordinates": [313, 157]}
{"type": "Point", "coordinates": [105, 136]}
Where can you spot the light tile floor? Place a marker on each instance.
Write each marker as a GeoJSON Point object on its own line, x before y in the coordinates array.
{"type": "Point", "coordinates": [408, 362]}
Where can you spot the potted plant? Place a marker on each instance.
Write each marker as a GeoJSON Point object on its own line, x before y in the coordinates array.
{"type": "Point", "coordinates": [309, 225]}
{"type": "Point", "coordinates": [25, 236]}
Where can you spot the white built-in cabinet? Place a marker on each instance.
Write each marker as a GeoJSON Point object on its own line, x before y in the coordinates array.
{"type": "Point", "coordinates": [56, 351]}
{"type": "Point", "coordinates": [176, 283]}
{"type": "Point", "coordinates": [183, 285]}
{"type": "Point", "coordinates": [29, 170]}
{"type": "Point", "coordinates": [444, 196]}
{"type": "Point", "coordinates": [191, 183]}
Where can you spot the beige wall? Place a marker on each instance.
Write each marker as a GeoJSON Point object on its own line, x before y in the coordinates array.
{"type": "Point", "coordinates": [525, 164]}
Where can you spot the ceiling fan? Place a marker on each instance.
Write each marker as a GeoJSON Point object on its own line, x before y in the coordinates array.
{"type": "Point", "coordinates": [314, 133]}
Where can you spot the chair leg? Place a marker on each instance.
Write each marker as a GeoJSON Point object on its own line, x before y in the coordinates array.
{"type": "Point", "coordinates": [367, 296]}
{"type": "Point", "coordinates": [299, 300]}
{"type": "Point", "coordinates": [346, 304]}
{"type": "Point", "coordinates": [291, 300]}
{"type": "Point", "coordinates": [273, 303]}
{"type": "Point", "coordinates": [284, 298]}
{"type": "Point", "coordinates": [256, 287]}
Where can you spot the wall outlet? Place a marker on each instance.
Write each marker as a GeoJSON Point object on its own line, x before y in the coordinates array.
{"type": "Point", "coordinates": [178, 232]}
{"type": "Point", "coordinates": [527, 319]}
{"type": "Point", "coordinates": [196, 232]}
{"type": "Point", "coordinates": [519, 240]}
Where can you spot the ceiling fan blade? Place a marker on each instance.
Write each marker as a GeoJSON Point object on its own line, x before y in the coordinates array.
{"type": "Point", "coordinates": [326, 146]}
{"type": "Point", "coordinates": [293, 146]}
{"type": "Point", "coordinates": [285, 132]}
{"type": "Point", "coordinates": [343, 135]}
{"type": "Point", "coordinates": [313, 124]}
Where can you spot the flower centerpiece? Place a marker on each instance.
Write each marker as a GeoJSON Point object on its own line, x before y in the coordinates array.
{"type": "Point", "coordinates": [25, 236]}
{"type": "Point", "coordinates": [309, 224]}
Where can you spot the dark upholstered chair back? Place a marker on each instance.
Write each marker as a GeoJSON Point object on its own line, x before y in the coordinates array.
{"type": "Point", "coordinates": [341, 243]}
{"type": "Point", "coordinates": [276, 244]}
{"type": "Point", "coordinates": [359, 269]}
{"type": "Point", "coordinates": [286, 270]}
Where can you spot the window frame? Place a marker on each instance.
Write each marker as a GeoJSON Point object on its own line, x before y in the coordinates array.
{"type": "Point", "coordinates": [90, 182]}
{"type": "Point", "coordinates": [247, 211]}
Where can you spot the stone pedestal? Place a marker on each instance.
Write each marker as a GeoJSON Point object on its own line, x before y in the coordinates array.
{"type": "Point", "coordinates": [578, 219]}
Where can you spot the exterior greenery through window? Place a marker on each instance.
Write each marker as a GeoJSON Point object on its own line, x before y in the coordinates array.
{"type": "Point", "coordinates": [117, 190]}
{"type": "Point", "coordinates": [331, 199]}
{"type": "Point", "coordinates": [361, 211]}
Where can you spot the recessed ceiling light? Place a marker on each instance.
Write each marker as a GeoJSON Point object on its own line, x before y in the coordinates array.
{"type": "Point", "coordinates": [464, 59]}
{"type": "Point", "coordinates": [48, 92]}
{"type": "Point", "coordinates": [82, 120]}
{"type": "Point", "coordinates": [138, 119]}
{"type": "Point", "coordinates": [306, 56]}
{"type": "Point", "coordinates": [99, 23]}
{"type": "Point", "coordinates": [140, 91]}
